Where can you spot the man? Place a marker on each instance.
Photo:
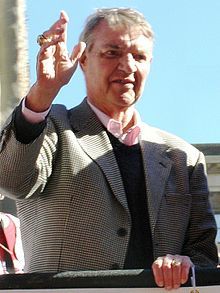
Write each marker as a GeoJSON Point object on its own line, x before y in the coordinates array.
{"type": "Point", "coordinates": [96, 188]}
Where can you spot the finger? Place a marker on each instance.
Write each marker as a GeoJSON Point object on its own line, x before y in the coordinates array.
{"type": "Point", "coordinates": [57, 32]}
{"type": "Point", "coordinates": [185, 268]}
{"type": "Point", "coordinates": [44, 57]}
{"type": "Point", "coordinates": [45, 53]}
{"type": "Point", "coordinates": [176, 267]}
{"type": "Point", "coordinates": [60, 24]}
{"type": "Point", "coordinates": [167, 272]}
{"type": "Point", "coordinates": [64, 19]}
{"type": "Point", "coordinates": [157, 271]}
{"type": "Point", "coordinates": [61, 52]}
{"type": "Point", "coordinates": [78, 51]}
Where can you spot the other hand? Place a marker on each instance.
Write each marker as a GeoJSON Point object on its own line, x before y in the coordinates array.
{"type": "Point", "coordinates": [171, 271]}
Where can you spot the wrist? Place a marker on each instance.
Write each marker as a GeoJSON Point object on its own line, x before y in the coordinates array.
{"type": "Point", "coordinates": [39, 99]}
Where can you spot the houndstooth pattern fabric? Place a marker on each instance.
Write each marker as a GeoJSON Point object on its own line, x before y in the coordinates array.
{"type": "Point", "coordinates": [71, 200]}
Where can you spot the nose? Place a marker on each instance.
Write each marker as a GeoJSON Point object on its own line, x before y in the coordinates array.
{"type": "Point", "coordinates": [127, 63]}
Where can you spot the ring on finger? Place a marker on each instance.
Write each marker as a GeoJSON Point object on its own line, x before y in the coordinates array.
{"type": "Point", "coordinates": [176, 262]}
{"type": "Point", "coordinates": [42, 39]}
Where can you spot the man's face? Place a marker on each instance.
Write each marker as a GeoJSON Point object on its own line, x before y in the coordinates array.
{"type": "Point", "coordinates": [116, 67]}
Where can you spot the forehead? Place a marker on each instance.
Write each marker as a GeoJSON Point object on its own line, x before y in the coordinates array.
{"type": "Point", "coordinates": [120, 37]}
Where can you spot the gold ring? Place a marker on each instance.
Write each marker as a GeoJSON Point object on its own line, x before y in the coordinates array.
{"type": "Point", "coordinates": [176, 263]}
{"type": "Point", "coordinates": [41, 39]}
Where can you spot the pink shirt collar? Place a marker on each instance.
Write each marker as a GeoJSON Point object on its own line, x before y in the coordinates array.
{"type": "Point", "coordinates": [130, 137]}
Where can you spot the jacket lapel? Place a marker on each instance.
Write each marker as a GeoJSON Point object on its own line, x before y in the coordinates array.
{"type": "Point", "coordinates": [157, 168]}
{"type": "Point", "coordinates": [95, 142]}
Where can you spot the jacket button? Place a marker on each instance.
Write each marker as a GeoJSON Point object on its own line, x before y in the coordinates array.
{"type": "Point", "coordinates": [122, 232]}
{"type": "Point", "coordinates": [115, 266]}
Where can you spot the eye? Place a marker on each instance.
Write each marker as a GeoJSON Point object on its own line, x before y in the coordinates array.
{"type": "Point", "coordinates": [140, 57]}
{"type": "Point", "coordinates": [111, 54]}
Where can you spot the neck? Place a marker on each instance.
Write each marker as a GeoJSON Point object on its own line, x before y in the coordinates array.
{"type": "Point", "coordinates": [124, 116]}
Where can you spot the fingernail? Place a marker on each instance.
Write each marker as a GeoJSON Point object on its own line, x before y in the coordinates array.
{"type": "Point", "coordinates": [160, 284]}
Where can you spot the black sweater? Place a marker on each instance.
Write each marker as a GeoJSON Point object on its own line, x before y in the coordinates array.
{"type": "Point", "coordinates": [140, 252]}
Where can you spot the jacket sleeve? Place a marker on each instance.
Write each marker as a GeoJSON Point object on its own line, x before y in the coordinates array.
{"type": "Point", "coordinates": [201, 233]}
{"type": "Point", "coordinates": [25, 165]}
{"type": "Point", "coordinates": [25, 131]}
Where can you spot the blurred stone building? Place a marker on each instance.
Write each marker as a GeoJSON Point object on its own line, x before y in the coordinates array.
{"type": "Point", "coordinates": [212, 154]}
{"type": "Point", "coordinates": [14, 68]}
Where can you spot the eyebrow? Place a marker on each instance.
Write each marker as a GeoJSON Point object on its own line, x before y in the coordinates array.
{"type": "Point", "coordinates": [112, 46]}
{"type": "Point", "coordinates": [118, 47]}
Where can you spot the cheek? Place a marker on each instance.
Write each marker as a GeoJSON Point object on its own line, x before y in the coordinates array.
{"type": "Point", "coordinates": [98, 73]}
{"type": "Point", "coordinates": [144, 74]}
{"type": "Point", "coordinates": [97, 81]}
{"type": "Point", "coordinates": [141, 78]}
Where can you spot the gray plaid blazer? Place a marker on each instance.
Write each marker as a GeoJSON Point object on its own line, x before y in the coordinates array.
{"type": "Point", "coordinates": [71, 200]}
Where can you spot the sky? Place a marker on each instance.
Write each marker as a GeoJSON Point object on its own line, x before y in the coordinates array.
{"type": "Point", "coordinates": [182, 94]}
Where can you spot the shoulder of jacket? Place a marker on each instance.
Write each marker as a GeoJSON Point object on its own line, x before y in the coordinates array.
{"type": "Point", "coordinates": [57, 110]}
{"type": "Point", "coordinates": [172, 141]}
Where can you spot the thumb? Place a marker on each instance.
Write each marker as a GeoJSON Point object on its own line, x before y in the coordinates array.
{"type": "Point", "coordinates": [77, 52]}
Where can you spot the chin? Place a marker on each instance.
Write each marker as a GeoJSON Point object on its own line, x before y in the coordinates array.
{"type": "Point", "coordinates": [128, 101]}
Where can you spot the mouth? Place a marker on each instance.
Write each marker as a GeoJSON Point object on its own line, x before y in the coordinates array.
{"type": "Point", "coordinates": [125, 82]}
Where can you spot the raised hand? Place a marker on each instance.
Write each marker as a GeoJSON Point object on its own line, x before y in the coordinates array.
{"type": "Point", "coordinates": [55, 66]}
